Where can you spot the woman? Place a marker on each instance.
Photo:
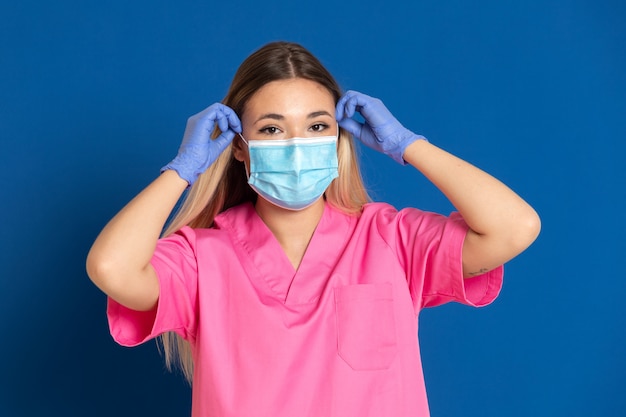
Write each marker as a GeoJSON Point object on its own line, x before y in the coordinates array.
{"type": "Point", "coordinates": [284, 291]}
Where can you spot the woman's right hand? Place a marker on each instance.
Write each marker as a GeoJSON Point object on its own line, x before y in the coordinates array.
{"type": "Point", "coordinates": [119, 260]}
{"type": "Point", "coordinates": [198, 151]}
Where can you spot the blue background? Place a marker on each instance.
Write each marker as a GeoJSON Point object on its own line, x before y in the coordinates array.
{"type": "Point", "coordinates": [94, 100]}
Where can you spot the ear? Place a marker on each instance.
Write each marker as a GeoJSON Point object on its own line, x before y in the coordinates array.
{"type": "Point", "coordinates": [239, 149]}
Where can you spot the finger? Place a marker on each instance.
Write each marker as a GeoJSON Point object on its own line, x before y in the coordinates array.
{"type": "Point", "coordinates": [360, 103]}
{"type": "Point", "coordinates": [233, 119]}
{"type": "Point", "coordinates": [224, 139]}
{"type": "Point", "coordinates": [372, 109]}
{"type": "Point", "coordinates": [352, 126]}
{"type": "Point", "coordinates": [222, 120]}
{"type": "Point", "coordinates": [341, 110]}
{"type": "Point", "coordinates": [209, 113]}
{"type": "Point", "coordinates": [202, 123]}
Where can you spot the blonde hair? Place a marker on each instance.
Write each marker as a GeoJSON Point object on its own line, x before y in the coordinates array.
{"type": "Point", "coordinates": [224, 183]}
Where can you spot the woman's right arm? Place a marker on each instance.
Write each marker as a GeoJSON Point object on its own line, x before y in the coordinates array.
{"type": "Point", "coordinates": [119, 260]}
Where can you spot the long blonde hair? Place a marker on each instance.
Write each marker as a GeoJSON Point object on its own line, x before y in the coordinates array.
{"type": "Point", "coordinates": [224, 183]}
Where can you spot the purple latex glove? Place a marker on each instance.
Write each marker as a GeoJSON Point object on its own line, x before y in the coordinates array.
{"type": "Point", "coordinates": [198, 151]}
{"type": "Point", "coordinates": [381, 130]}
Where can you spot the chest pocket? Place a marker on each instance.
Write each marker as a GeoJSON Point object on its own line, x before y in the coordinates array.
{"type": "Point", "coordinates": [366, 331]}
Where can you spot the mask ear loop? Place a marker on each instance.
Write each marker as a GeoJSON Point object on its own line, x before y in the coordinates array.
{"type": "Point", "coordinates": [246, 142]}
{"type": "Point", "coordinates": [245, 166]}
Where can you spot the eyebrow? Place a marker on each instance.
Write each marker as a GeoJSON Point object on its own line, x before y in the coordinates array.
{"type": "Point", "coordinates": [318, 114]}
{"type": "Point", "coordinates": [276, 116]}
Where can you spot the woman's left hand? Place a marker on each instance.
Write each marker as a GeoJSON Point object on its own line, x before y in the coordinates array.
{"type": "Point", "coordinates": [381, 131]}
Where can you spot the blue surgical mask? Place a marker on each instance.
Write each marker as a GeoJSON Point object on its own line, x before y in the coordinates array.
{"type": "Point", "coordinates": [292, 173]}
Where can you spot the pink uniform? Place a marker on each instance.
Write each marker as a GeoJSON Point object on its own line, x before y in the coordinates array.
{"type": "Point", "coordinates": [337, 337]}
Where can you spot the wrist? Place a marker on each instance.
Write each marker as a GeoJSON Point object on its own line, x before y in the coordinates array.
{"type": "Point", "coordinates": [406, 143]}
{"type": "Point", "coordinates": [175, 171]}
{"type": "Point", "coordinates": [173, 176]}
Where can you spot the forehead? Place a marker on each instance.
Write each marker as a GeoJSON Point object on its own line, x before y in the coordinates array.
{"type": "Point", "coordinates": [292, 96]}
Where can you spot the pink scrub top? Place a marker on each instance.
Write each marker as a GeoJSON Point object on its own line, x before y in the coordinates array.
{"type": "Point", "coordinates": [337, 337]}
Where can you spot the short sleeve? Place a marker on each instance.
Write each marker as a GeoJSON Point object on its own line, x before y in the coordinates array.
{"type": "Point", "coordinates": [429, 248]}
{"type": "Point", "coordinates": [175, 264]}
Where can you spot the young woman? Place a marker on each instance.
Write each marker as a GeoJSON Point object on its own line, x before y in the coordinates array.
{"type": "Point", "coordinates": [278, 287]}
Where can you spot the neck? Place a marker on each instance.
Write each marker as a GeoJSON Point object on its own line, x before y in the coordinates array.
{"type": "Point", "coordinates": [292, 229]}
{"type": "Point", "coordinates": [288, 224]}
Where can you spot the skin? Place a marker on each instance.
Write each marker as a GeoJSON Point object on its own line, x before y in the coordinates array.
{"type": "Point", "coordinates": [501, 224]}
{"type": "Point", "coordinates": [282, 110]}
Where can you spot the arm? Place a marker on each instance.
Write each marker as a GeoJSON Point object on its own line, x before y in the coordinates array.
{"type": "Point", "coordinates": [501, 224]}
{"type": "Point", "coordinates": [119, 260]}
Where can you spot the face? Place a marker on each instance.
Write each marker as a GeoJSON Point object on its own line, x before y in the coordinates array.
{"type": "Point", "coordinates": [285, 109]}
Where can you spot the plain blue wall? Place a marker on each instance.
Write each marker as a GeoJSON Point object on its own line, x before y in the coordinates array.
{"type": "Point", "coordinates": [94, 99]}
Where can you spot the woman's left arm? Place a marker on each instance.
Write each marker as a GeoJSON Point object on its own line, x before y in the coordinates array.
{"type": "Point", "coordinates": [501, 223]}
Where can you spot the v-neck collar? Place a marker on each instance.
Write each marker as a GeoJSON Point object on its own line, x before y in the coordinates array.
{"type": "Point", "coordinates": [267, 264]}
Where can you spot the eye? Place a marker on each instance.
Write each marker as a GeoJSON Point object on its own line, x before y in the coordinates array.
{"type": "Point", "coordinates": [269, 130]}
{"type": "Point", "coordinates": [319, 127]}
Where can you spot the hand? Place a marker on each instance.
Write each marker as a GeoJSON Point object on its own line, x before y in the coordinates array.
{"type": "Point", "coordinates": [381, 130]}
{"type": "Point", "coordinates": [198, 151]}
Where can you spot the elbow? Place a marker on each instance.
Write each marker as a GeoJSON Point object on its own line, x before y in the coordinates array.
{"type": "Point", "coordinates": [134, 289]}
{"type": "Point", "coordinates": [100, 271]}
{"type": "Point", "coordinates": [528, 229]}
{"type": "Point", "coordinates": [482, 252]}
{"type": "Point", "coordinates": [107, 270]}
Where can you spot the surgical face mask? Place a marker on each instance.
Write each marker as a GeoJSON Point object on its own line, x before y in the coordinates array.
{"type": "Point", "coordinates": [292, 173]}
